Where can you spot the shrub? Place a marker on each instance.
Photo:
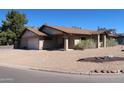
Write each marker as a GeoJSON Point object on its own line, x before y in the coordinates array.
{"type": "Point", "coordinates": [83, 44]}
{"type": "Point", "coordinates": [111, 42]}
{"type": "Point", "coordinates": [79, 46]}
{"type": "Point", "coordinates": [7, 37]}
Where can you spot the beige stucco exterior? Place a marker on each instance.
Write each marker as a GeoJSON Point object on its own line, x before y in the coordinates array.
{"type": "Point", "coordinates": [56, 39]}
{"type": "Point", "coordinates": [33, 43]}
{"type": "Point", "coordinates": [30, 41]}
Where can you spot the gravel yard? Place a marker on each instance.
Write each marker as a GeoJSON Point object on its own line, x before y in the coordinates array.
{"type": "Point", "coordinates": [62, 61]}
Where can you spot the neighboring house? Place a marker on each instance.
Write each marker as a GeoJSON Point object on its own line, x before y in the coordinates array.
{"type": "Point", "coordinates": [120, 39]}
{"type": "Point", "coordinates": [57, 37]}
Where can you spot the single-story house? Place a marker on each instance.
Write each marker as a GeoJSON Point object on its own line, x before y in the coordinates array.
{"type": "Point", "coordinates": [58, 37]}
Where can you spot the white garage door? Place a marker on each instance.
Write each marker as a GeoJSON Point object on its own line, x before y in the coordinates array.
{"type": "Point", "coordinates": [33, 43]}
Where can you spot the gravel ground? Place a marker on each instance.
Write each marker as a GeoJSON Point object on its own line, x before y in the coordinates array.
{"type": "Point", "coordinates": [63, 61]}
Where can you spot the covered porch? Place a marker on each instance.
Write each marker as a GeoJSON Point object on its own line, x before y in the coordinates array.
{"type": "Point", "coordinates": [70, 42]}
{"type": "Point", "coordinates": [67, 42]}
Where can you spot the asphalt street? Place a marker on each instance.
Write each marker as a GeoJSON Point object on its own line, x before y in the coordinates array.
{"type": "Point", "coordinates": [12, 75]}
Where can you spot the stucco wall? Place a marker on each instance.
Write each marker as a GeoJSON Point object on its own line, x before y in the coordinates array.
{"type": "Point", "coordinates": [33, 43]}
{"type": "Point", "coordinates": [30, 43]}
{"type": "Point", "coordinates": [24, 43]}
{"type": "Point", "coordinates": [29, 40]}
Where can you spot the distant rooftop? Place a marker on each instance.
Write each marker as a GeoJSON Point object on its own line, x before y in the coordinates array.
{"type": "Point", "coordinates": [120, 34]}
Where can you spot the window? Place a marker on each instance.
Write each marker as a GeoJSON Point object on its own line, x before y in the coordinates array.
{"type": "Point", "coordinates": [48, 38]}
{"type": "Point", "coordinates": [83, 38]}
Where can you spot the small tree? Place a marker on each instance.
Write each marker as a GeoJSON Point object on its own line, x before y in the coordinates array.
{"type": "Point", "coordinates": [3, 39]}
{"type": "Point", "coordinates": [15, 22]}
{"type": "Point", "coordinates": [10, 36]}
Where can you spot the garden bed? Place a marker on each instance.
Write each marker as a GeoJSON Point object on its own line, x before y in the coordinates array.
{"type": "Point", "coordinates": [101, 59]}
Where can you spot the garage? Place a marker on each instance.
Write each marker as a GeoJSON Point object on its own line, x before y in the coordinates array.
{"type": "Point", "coordinates": [31, 39]}
{"type": "Point", "coordinates": [33, 43]}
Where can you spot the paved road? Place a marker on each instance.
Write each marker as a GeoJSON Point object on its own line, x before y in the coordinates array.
{"type": "Point", "coordinates": [9, 75]}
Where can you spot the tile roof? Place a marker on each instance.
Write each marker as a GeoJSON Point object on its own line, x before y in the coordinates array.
{"type": "Point", "coordinates": [36, 31]}
{"type": "Point", "coordinates": [72, 30]}
{"type": "Point", "coordinates": [78, 31]}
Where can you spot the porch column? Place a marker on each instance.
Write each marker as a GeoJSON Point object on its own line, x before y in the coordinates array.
{"type": "Point", "coordinates": [104, 41]}
{"type": "Point", "coordinates": [98, 41]}
{"type": "Point", "coordinates": [65, 43]}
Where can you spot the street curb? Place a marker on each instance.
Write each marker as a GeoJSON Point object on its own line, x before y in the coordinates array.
{"type": "Point", "coordinates": [53, 71]}
{"type": "Point", "coordinates": [37, 69]}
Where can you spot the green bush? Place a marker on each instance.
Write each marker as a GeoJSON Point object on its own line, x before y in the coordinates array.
{"type": "Point", "coordinates": [83, 44]}
{"type": "Point", "coordinates": [79, 46]}
{"type": "Point", "coordinates": [111, 42]}
{"type": "Point", "coordinates": [7, 37]}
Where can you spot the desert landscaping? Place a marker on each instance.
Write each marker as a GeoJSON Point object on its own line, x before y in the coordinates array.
{"type": "Point", "coordinates": [63, 61]}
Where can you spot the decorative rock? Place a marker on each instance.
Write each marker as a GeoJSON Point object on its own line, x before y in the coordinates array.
{"type": "Point", "coordinates": [102, 71]}
{"type": "Point", "coordinates": [122, 71]}
{"type": "Point", "coordinates": [112, 72]}
{"type": "Point", "coordinates": [96, 71]}
{"type": "Point", "coordinates": [107, 71]}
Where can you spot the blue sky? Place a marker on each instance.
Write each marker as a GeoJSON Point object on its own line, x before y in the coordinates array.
{"type": "Point", "coordinates": [88, 19]}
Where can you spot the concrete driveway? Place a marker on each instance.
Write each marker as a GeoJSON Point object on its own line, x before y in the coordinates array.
{"type": "Point", "coordinates": [12, 75]}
